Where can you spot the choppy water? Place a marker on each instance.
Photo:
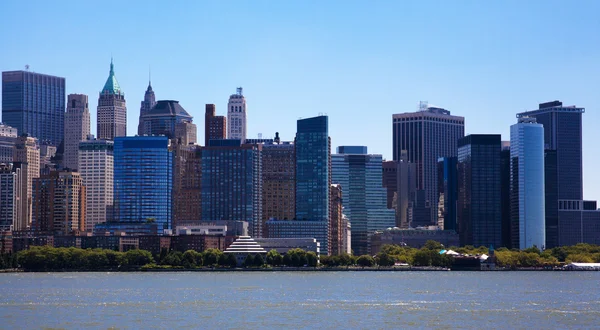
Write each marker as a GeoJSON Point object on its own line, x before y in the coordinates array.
{"type": "Point", "coordinates": [330, 300]}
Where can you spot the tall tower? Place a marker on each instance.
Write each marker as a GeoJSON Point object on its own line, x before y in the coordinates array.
{"type": "Point", "coordinates": [426, 135]}
{"type": "Point", "coordinates": [112, 111]}
{"type": "Point", "coordinates": [77, 121]}
{"type": "Point", "coordinates": [215, 127]}
{"type": "Point", "coordinates": [147, 104]}
{"type": "Point", "coordinates": [27, 151]}
{"type": "Point", "coordinates": [96, 165]}
{"type": "Point", "coordinates": [236, 116]}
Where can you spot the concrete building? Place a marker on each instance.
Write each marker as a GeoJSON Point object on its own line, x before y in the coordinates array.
{"type": "Point", "coordinates": [426, 135]}
{"type": "Point", "coordinates": [236, 116]}
{"type": "Point", "coordinates": [112, 109]}
{"type": "Point", "coordinates": [8, 138]}
{"type": "Point", "coordinates": [447, 193]}
{"type": "Point", "coordinates": [406, 191]}
{"type": "Point", "coordinates": [242, 247]}
{"type": "Point", "coordinates": [551, 197]}
{"type": "Point", "coordinates": [215, 127]}
{"type": "Point", "coordinates": [364, 198]}
{"type": "Point", "coordinates": [34, 104]}
{"type": "Point", "coordinates": [232, 183]}
{"type": "Point", "coordinates": [163, 118]}
{"type": "Point", "coordinates": [59, 203]}
{"type": "Point", "coordinates": [479, 190]}
{"type": "Point", "coordinates": [293, 229]}
{"type": "Point", "coordinates": [283, 245]}
{"type": "Point", "coordinates": [390, 181]}
{"type": "Point", "coordinates": [279, 181]}
{"type": "Point", "coordinates": [12, 194]}
{"type": "Point", "coordinates": [187, 183]}
{"type": "Point", "coordinates": [96, 166]}
{"type": "Point", "coordinates": [412, 237]}
{"type": "Point", "coordinates": [77, 122]}
{"type": "Point", "coordinates": [146, 105]}
{"type": "Point", "coordinates": [336, 220]}
{"type": "Point", "coordinates": [528, 224]}
{"type": "Point", "coordinates": [186, 131]}
{"type": "Point", "coordinates": [27, 151]}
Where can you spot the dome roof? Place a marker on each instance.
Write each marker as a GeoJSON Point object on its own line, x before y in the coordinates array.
{"type": "Point", "coordinates": [168, 108]}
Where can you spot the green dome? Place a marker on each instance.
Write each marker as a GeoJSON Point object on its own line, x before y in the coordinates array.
{"type": "Point", "coordinates": [112, 85]}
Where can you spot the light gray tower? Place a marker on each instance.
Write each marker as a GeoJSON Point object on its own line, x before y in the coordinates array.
{"type": "Point", "coordinates": [236, 116]}
{"type": "Point", "coordinates": [147, 104]}
{"type": "Point", "coordinates": [112, 110]}
{"type": "Point", "coordinates": [77, 122]}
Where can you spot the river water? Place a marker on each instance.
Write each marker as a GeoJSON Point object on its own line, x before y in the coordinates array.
{"type": "Point", "coordinates": [325, 300]}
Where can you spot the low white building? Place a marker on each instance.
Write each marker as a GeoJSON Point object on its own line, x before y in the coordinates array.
{"type": "Point", "coordinates": [243, 246]}
{"type": "Point", "coordinates": [283, 245]}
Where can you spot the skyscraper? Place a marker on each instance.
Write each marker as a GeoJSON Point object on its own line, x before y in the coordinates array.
{"type": "Point", "coordinates": [77, 122]}
{"type": "Point", "coordinates": [147, 104]}
{"type": "Point", "coordinates": [59, 203]}
{"type": "Point", "coordinates": [232, 183]}
{"type": "Point", "coordinates": [448, 193]}
{"type": "Point", "coordinates": [34, 104]}
{"type": "Point", "coordinates": [187, 183]}
{"type": "Point", "coordinates": [8, 138]}
{"type": "Point", "coordinates": [390, 181]}
{"type": "Point", "coordinates": [279, 178]}
{"type": "Point", "coordinates": [406, 190]}
{"type": "Point", "coordinates": [143, 180]}
{"type": "Point", "coordinates": [112, 109]}
{"type": "Point", "coordinates": [364, 198]}
{"type": "Point", "coordinates": [163, 118]}
{"type": "Point", "coordinates": [479, 187]}
{"type": "Point", "coordinates": [11, 196]}
{"type": "Point", "coordinates": [563, 133]}
{"type": "Point", "coordinates": [528, 226]}
{"type": "Point", "coordinates": [96, 166]}
{"type": "Point", "coordinates": [27, 151]}
{"type": "Point", "coordinates": [215, 127]}
{"type": "Point", "coordinates": [505, 193]}
{"type": "Point", "coordinates": [337, 222]}
{"type": "Point", "coordinates": [426, 135]}
{"type": "Point", "coordinates": [236, 116]}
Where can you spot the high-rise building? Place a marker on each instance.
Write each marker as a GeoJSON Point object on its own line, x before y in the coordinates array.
{"type": "Point", "coordinates": [505, 193]}
{"type": "Point", "coordinates": [11, 195]}
{"type": "Point", "coordinates": [236, 116]}
{"type": "Point", "coordinates": [187, 183]}
{"type": "Point", "coordinates": [406, 190]}
{"type": "Point", "coordinates": [143, 180]}
{"type": "Point", "coordinates": [215, 127]}
{"type": "Point", "coordinates": [447, 193]}
{"type": "Point", "coordinates": [337, 222]}
{"type": "Point", "coordinates": [59, 203]}
{"type": "Point", "coordinates": [390, 181]}
{"type": "Point", "coordinates": [563, 133]}
{"type": "Point", "coordinates": [77, 122]}
{"type": "Point", "coordinates": [163, 118]}
{"type": "Point", "coordinates": [479, 188]}
{"type": "Point", "coordinates": [232, 183]}
{"type": "Point", "coordinates": [551, 198]}
{"type": "Point", "coordinates": [147, 104]}
{"type": "Point", "coordinates": [96, 166]}
{"type": "Point", "coordinates": [313, 175]}
{"type": "Point", "coordinates": [27, 151]}
{"type": "Point", "coordinates": [8, 137]}
{"type": "Point", "coordinates": [34, 104]}
{"type": "Point", "coordinates": [279, 178]}
{"type": "Point", "coordinates": [528, 226]}
{"type": "Point", "coordinates": [426, 135]}
{"type": "Point", "coordinates": [186, 132]}
{"type": "Point", "coordinates": [112, 109]}
{"type": "Point", "coordinates": [364, 198]}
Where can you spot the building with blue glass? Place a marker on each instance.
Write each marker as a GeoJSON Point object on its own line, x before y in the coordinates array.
{"type": "Point", "coordinates": [163, 118]}
{"type": "Point", "coordinates": [447, 193]}
{"type": "Point", "coordinates": [479, 190]}
{"type": "Point", "coordinates": [34, 104]}
{"type": "Point", "coordinates": [363, 196]}
{"type": "Point", "coordinates": [143, 180]}
{"type": "Point", "coordinates": [232, 183]}
{"type": "Point", "coordinates": [527, 191]}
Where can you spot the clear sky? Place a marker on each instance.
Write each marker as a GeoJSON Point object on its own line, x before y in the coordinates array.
{"type": "Point", "coordinates": [356, 61]}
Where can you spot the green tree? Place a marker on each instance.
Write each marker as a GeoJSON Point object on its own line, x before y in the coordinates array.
{"type": "Point", "coordinates": [579, 257]}
{"type": "Point", "coordinates": [533, 249]}
{"type": "Point", "coordinates": [249, 261]}
{"type": "Point", "coordinates": [528, 259]}
{"type": "Point", "coordinates": [287, 260]}
{"type": "Point", "coordinates": [345, 259]}
{"type": "Point", "coordinates": [311, 259]}
{"type": "Point", "coordinates": [433, 245]}
{"type": "Point", "coordinates": [274, 258]}
{"type": "Point", "coordinates": [385, 260]}
{"type": "Point", "coordinates": [138, 257]}
{"type": "Point", "coordinates": [365, 261]}
{"type": "Point", "coordinates": [422, 258]}
{"type": "Point", "coordinates": [211, 257]}
{"type": "Point", "coordinates": [223, 259]}
{"type": "Point", "coordinates": [258, 260]}
{"type": "Point", "coordinates": [191, 259]}
{"type": "Point", "coordinates": [231, 260]}
{"type": "Point", "coordinates": [164, 252]}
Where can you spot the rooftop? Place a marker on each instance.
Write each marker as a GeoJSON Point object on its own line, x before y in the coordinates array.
{"type": "Point", "coordinates": [168, 108]}
{"type": "Point", "coordinates": [112, 86]}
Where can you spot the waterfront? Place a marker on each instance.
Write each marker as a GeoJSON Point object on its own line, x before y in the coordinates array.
{"type": "Point", "coordinates": [301, 300]}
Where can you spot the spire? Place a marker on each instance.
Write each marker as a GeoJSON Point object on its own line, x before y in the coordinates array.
{"type": "Point", "coordinates": [112, 67]}
{"type": "Point", "coordinates": [111, 86]}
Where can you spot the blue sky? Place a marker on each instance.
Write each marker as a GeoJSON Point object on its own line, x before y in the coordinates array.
{"type": "Point", "coordinates": [357, 61]}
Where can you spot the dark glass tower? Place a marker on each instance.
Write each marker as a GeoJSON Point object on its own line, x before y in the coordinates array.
{"type": "Point", "coordinates": [162, 119]}
{"type": "Point", "coordinates": [447, 192]}
{"type": "Point", "coordinates": [34, 104]}
{"type": "Point", "coordinates": [147, 104]}
{"type": "Point", "coordinates": [479, 187]}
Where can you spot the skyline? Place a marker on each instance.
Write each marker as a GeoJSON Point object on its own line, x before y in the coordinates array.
{"type": "Point", "coordinates": [299, 59]}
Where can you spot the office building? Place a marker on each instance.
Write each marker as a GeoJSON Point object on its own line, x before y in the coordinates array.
{"type": "Point", "coordinates": [186, 132]}
{"type": "Point", "coordinates": [96, 166]}
{"type": "Point", "coordinates": [336, 223]}
{"type": "Point", "coordinates": [551, 197]}
{"type": "Point", "coordinates": [27, 151]}
{"type": "Point", "coordinates": [426, 135]}
{"type": "Point", "coordinates": [479, 190]}
{"type": "Point", "coordinates": [143, 180]}
{"type": "Point", "coordinates": [313, 176]}
{"type": "Point", "coordinates": [163, 118]}
{"type": "Point", "coordinates": [215, 127]}
{"type": "Point", "coordinates": [390, 181]}
{"type": "Point", "coordinates": [364, 198]}
{"type": "Point", "coordinates": [527, 198]}
{"type": "Point", "coordinates": [146, 105]}
{"type": "Point", "coordinates": [232, 183]}
{"type": "Point", "coordinates": [447, 193]}
{"type": "Point", "coordinates": [283, 245]}
{"type": "Point", "coordinates": [279, 177]}
{"type": "Point", "coordinates": [34, 104]}
{"type": "Point", "coordinates": [59, 203]}
{"type": "Point", "coordinates": [295, 229]}
{"type": "Point", "coordinates": [406, 191]}
{"type": "Point", "coordinates": [415, 238]}
{"type": "Point", "coordinates": [112, 109]}
{"type": "Point", "coordinates": [187, 183]}
{"type": "Point", "coordinates": [8, 137]}
{"type": "Point", "coordinates": [12, 193]}
{"type": "Point", "coordinates": [236, 116]}
{"type": "Point", "coordinates": [77, 123]}
{"type": "Point", "coordinates": [505, 193]}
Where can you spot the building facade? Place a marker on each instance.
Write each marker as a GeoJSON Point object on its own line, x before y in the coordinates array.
{"type": "Point", "coordinates": [77, 122]}
{"type": "Point", "coordinates": [8, 137]}
{"type": "Point", "coordinates": [143, 180]}
{"type": "Point", "coordinates": [390, 181]}
{"type": "Point", "coordinates": [146, 105]}
{"type": "Point", "coordinates": [186, 132]}
{"type": "Point", "coordinates": [236, 116]}
{"type": "Point", "coordinates": [187, 183]}
{"type": "Point", "coordinates": [163, 118]}
{"type": "Point", "coordinates": [406, 191]}
{"type": "Point", "coordinates": [215, 127]}
{"type": "Point", "coordinates": [479, 190]}
{"type": "Point", "coordinates": [448, 193]}
{"type": "Point", "coordinates": [528, 224]}
{"type": "Point", "coordinates": [12, 193]}
{"type": "Point", "coordinates": [112, 109]}
{"type": "Point", "coordinates": [34, 104]}
{"type": "Point", "coordinates": [27, 151]}
{"type": "Point", "coordinates": [336, 222]}
{"type": "Point", "coordinates": [505, 193]}
{"type": "Point", "coordinates": [279, 178]}
{"type": "Point", "coordinates": [415, 238]}
{"type": "Point", "coordinates": [96, 166]}
{"type": "Point", "coordinates": [426, 135]}
{"type": "Point", "coordinates": [364, 198]}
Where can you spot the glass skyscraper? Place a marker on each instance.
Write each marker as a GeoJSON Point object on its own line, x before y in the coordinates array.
{"type": "Point", "coordinates": [479, 190]}
{"type": "Point", "coordinates": [34, 104]}
{"type": "Point", "coordinates": [163, 118]}
{"type": "Point", "coordinates": [143, 180]}
{"type": "Point", "coordinates": [363, 196]}
{"type": "Point", "coordinates": [447, 193]}
{"type": "Point", "coordinates": [528, 223]}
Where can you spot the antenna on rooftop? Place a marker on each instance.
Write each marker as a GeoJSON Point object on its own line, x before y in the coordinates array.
{"type": "Point", "coordinates": [27, 67]}
{"type": "Point", "coordinates": [423, 105]}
